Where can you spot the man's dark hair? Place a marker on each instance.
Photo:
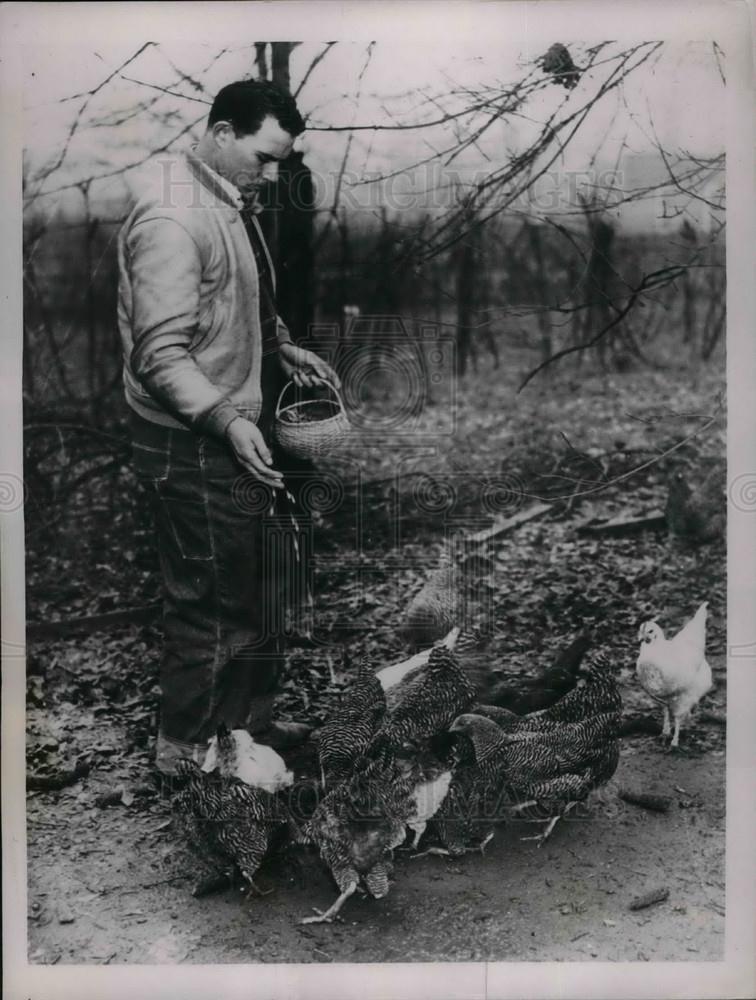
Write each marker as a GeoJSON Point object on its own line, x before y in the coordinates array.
{"type": "Point", "coordinates": [246, 103]}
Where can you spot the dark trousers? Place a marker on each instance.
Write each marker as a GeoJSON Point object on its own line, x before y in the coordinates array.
{"type": "Point", "coordinates": [222, 581]}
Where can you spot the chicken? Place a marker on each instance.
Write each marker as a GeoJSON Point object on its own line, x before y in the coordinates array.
{"type": "Point", "coordinates": [696, 514]}
{"type": "Point", "coordinates": [558, 62]}
{"type": "Point", "coordinates": [595, 693]}
{"type": "Point", "coordinates": [582, 724]}
{"type": "Point", "coordinates": [463, 821]}
{"type": "Point", "coordinates": [347, 733]}
{"type": "Point", "coordinates": [231, 824]}
{"type": "Point", "coordinates": [467, 646]}
{"type": "Point", "coordinates": [533, 693]}
{"type": "Point", "coordinates": [395, 677]}
{"type": "Point", "coordinates": [357, 826]}
{"type": "Point", "coordinates": [442, 601]}
{"type": "Point", "coordinates": [236, 754]}
{"type": "Point", "coordinates": [429, 779]}
{"type": "Point", "coordinates": [556, 765]}
{"type": "Point", "coordinates": [430, 702]}
{"type": "Point", "coordinates": [674, 672]}
{"type": "Point", "coordinates": [228, 806]}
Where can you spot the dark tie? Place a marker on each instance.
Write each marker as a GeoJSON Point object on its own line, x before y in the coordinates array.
{"type": "Point", "coordinates": [271, 375]}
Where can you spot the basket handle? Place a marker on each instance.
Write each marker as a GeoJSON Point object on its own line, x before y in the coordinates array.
{"type": "Point", "coordinates": [330, 385]}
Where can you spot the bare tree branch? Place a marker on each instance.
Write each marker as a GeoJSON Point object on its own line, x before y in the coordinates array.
{"type": "Point", "coordinates": [88, 97]}
{"type": "Point", "coordinates": [315, 62]}
{"type": "Point", "coordinates": [663, 276]}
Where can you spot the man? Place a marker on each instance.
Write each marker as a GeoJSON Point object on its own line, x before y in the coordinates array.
{"type": "Point", "coordinates": [205, 355]}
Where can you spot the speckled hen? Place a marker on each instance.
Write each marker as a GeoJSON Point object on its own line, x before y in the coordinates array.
{"type": "Point", "coordinates": [555, 764]}
{"type": "Point", "coordinates": [347, 733]}
{"type": "Point", "coordinates": [230, 824]}
{"type": "Point", "coordinates": [357, 826]}
{"type": "Point", "coordinates": [429, 704]}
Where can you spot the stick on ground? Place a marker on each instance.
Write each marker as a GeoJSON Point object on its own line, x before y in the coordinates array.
{"type": "Point", "coordinates": [650, 898]}
{"type": "Point", "coordinates": [656, 803]}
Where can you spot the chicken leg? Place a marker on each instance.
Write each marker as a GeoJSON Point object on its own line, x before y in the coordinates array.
{"type": "Point", "coordinates": [417, 832]}
{"type": "Point", "coordinates": [254, 890]}
{"type": "Point", "coordinates": [327, 916]}
{"type": "Point", "coordinates": [676, 735]}
{"type": "Point", "coordinates": [666, 728]}
{"type": "Point", "coordinates": [443, 852]}
{"type": "Point", "coordinates": [542, 837]}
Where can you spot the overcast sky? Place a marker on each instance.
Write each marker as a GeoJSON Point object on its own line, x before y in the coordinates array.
{"type": "Point", "coordinates": [680, 90]}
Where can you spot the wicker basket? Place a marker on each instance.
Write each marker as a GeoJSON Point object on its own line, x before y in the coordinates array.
{"type": "Point", "coordinates": [302, 433]}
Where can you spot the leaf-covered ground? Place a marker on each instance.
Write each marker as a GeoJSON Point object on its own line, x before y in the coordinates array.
{"type": "Point", "coordinates": [100, 848]}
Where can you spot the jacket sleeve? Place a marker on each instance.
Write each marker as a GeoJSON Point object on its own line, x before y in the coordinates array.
{"type": "Point", "coordinates": [166, 272]}
{"type": "Point", "coordinates": [282, 331]}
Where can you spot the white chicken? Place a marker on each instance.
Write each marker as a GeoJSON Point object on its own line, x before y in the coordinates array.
{"type": "Point", "coordinates": [674, 672]}
{"type": "Point", "coordinates": [236, 754]}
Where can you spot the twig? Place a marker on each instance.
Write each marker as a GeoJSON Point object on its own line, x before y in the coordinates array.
{"type": "Point", "coordinates": [59, 780]}
{"type": "Point", "coordinates": [506, 524]}
{"type": "Point", "coordinates": [719, 718]}
{"type": "Point", "coordinates": [638, 468]}
{"type": "Point", "coordinates": [650, 899]}
{"type": "Point", "coordinates": [318, 58]}
{"type": "Point", "coordinates": [165, 90]}
{"type": "Point", "coordinates": [646, 800]}
{"type": "Point", "coordinates": [619, 527]}
{"type": "Point", "coordinates": [652, 280]}
{"type": "Point", "coordinates": [92, 623]}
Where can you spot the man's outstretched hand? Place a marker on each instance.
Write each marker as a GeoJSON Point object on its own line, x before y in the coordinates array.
{"type": "Point", "coordinates": [252, 453]}
{"type": "Point", "coordinates": [305, 368]}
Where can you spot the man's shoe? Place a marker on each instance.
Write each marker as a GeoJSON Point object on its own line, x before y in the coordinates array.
{"type": "Point", "coordinates": [283, 735]}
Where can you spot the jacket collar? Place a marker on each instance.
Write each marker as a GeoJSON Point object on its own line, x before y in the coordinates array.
{"type": "Point", "coordinates": [217, 185]}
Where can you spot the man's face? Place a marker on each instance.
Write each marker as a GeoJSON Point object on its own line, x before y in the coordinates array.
{"type": "Point", "coordinates": [249, 160]}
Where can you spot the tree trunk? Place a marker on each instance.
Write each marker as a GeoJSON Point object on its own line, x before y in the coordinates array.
{"type": "Point", "coordinates": [280, 52]}
{"type": "Point", "coordinates": [466, 286]}
{"type": "Point", "coordinates": [288, 224]}
{"type": "Point", "coordinates": [261, 60]}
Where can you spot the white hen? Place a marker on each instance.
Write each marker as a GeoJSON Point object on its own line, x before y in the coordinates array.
{"type": "Point", "coordinates": [236, 754]}
{"type": "Point", "coordinates": [674, 671]}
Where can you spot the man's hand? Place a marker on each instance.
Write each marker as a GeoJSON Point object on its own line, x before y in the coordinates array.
{"type": "Point", "coordinates": [251, 451]}
{"type": "Point", "coordinates": [306, 369]}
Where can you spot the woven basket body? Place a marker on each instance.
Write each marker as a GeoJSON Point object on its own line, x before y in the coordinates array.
{"type": "Point", "coordinates": [304, 437]}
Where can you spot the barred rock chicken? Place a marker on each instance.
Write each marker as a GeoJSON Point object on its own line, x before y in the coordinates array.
{"type": "Point", "coordinates": [358, 825]}
{"type": "Point", "coordinates": [228, 822]}
{"type": "Point", "coordinates": [583, 723]}
{"type": "Point", "coordinates": [674, 672]}
{"type": "Point", "coordinates": [347, 733]}
{"type": "Point", "coordinates": [429, 704]}
{"type": "Point", "coordinates": [697, 514]}
{"type": "Point", "coordinates": [558, 62]}
{"type": "Point", "coordinates": [554, 767]}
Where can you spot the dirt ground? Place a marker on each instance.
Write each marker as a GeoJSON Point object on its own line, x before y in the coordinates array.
{"type": "Point", "coordinates": [110, 881]}
{"type": "Point", "coordinates": [102, 890]}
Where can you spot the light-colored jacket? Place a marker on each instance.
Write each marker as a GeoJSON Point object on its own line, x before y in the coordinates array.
{"type": "Point", "coordinates": [188, 302]}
